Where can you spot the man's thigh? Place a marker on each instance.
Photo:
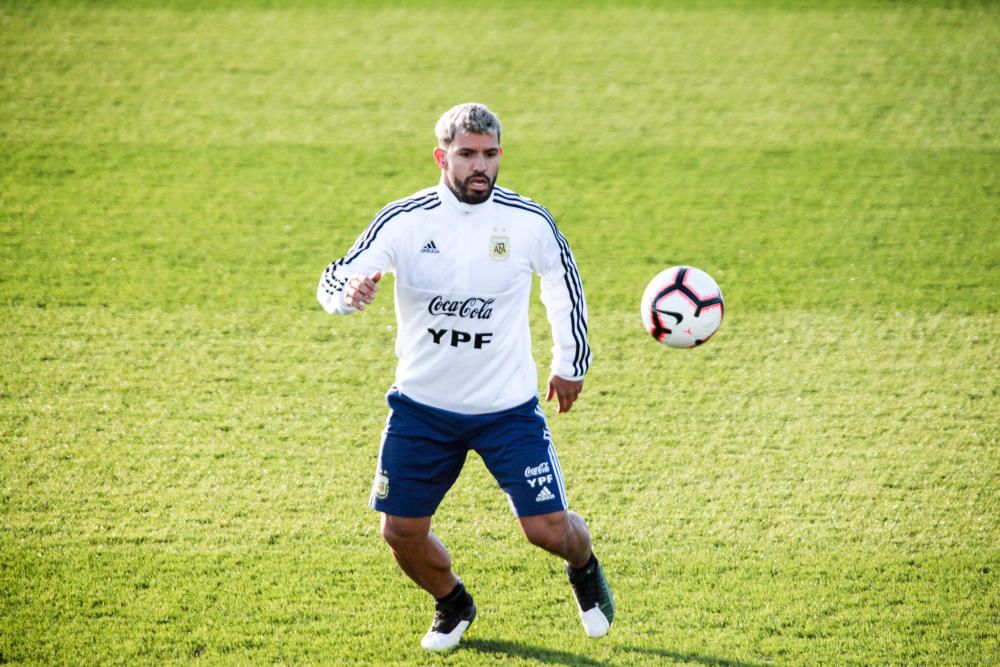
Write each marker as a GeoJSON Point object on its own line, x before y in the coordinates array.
{"type": "Point", "coordinates": [517, 449]}
{"type": "Point", "coordinates": [419, 461]}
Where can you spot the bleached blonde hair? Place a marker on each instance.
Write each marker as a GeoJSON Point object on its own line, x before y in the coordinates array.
{"type": "Point", "coordinates": [471, 117]}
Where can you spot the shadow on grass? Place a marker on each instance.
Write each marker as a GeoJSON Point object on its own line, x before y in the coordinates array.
{"type": "Point", "coordinates": [692, 658]}
{"type": "Point", "coordinates": [504, 649]}
{"type": "Point", "coordinates": [499, 648]}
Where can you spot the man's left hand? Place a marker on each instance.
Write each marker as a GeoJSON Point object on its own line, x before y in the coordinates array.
{"type": "Point", "coordinates": [566, 390]}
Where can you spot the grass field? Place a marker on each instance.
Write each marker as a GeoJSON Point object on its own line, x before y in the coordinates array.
{"type": "Point", "coordinates": [180, 477]}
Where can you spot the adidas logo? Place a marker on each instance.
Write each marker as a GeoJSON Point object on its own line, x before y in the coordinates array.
{"type": "Point", "coordinates": [430, 247]}
{"type": "Point", "coordinates": [544, 495]}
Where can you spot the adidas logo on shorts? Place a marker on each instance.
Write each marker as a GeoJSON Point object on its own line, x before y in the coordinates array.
{"type": "Point", "coordinates": [544, 495]}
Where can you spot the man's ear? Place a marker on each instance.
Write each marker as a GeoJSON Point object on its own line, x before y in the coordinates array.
{"type": "Point", "coordinates": [439, 158]}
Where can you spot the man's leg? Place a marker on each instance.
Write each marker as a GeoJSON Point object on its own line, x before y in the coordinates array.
{"type": "Point", "coordinates": [517, 448]}
{"type": "Point", "coordinates": [565, 534]}
{"type": "Point", "coordinates": [425, 560]}
{"type": "Point", "coordinates": [419, 553]}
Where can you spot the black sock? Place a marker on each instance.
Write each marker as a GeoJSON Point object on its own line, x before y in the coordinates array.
{"type": "Point", "coordinates": [590, 561]}
{"type": "Point", "coordinates": [459, 598]}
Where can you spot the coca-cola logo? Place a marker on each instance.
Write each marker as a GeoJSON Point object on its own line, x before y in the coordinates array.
{"type": "Point", "coordinates": [540, 469]}
{"type": "Point", "coordinates": [476, 308]}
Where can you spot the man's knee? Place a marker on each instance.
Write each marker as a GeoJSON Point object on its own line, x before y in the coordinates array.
{"type": "Point", "coordinates": [402, 532]}
{"type": "Point", "coordinates": [549, 539]}
{"type": "Point", "coordinates": [562, 533]}
{"type": "Point", "coordinates": [548, 531]}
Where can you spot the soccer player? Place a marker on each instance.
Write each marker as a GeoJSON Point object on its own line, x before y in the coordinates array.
{"type": "Point", "coordinates": [463, 254]}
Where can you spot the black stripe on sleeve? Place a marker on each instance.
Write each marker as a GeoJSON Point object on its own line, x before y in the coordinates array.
{"type": "Point", "coordinates": [428, 201]}
{"type": "Point", "coordinates": [332, 284]}
{"type": "Point", "coordinates": [571, 275]}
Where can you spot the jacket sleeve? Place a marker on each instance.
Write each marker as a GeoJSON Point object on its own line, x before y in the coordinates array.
{"type": "Point", "coordinates": [562, 294]}
{"type": "Point", "coordinates": [371, 252]}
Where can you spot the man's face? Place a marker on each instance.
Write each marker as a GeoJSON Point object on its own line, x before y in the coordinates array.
{"type": "Point", "coordinates": [470, 165]}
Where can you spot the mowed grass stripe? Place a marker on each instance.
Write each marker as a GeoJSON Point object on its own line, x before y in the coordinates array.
{"type": "Point", "coordinates": [880, 77]}
{"type": "Point", "coordinates": [833, 228]}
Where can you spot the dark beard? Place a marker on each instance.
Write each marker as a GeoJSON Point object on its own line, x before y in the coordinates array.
{"type": "Point", "coordinates": [465, 195]}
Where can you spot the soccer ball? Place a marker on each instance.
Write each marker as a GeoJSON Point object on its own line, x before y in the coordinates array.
{"type": "Point", "coordinates": [682, 307]}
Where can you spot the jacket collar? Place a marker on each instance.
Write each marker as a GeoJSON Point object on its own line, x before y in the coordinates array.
{"type": "Point", "coordinates": [450, 200]}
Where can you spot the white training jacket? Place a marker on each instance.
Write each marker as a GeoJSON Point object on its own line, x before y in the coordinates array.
{"type": "Point", "coordinates": [462, 284]}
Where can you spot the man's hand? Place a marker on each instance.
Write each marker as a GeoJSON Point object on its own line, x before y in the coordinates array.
{"type": "Point", "coordinates": [566, 390]}
{"type": "Point", "coordinates": [360, 290]}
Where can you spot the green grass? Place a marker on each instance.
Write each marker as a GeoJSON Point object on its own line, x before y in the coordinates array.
{"type": "Point", "coordinates": [187, 440]}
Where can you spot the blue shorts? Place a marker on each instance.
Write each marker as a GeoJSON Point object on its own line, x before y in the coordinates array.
{"type": "Point", "coordinates": [424, 448]}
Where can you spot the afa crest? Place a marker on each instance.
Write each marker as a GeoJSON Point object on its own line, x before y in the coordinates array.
{"type": "Point", "coordinates": [380, 489]}
{"type": "Point", "coordinates": [500, 248]}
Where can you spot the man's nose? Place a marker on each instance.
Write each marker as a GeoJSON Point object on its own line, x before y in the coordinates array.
{"type": "Point", "coordinates": [479, 163]}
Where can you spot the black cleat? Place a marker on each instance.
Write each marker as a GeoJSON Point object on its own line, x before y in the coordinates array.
{"type": "Point", "coordinates": [448, 627]}
{"type": "Point", "coordinates": [593, 597]}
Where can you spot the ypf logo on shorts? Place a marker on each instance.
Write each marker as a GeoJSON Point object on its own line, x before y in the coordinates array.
{"type": "Point", "coordinates": [539, 475]}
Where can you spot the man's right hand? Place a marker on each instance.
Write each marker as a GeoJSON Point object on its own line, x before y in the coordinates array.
{"type": "Point", "coordinates": [360, 290]}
